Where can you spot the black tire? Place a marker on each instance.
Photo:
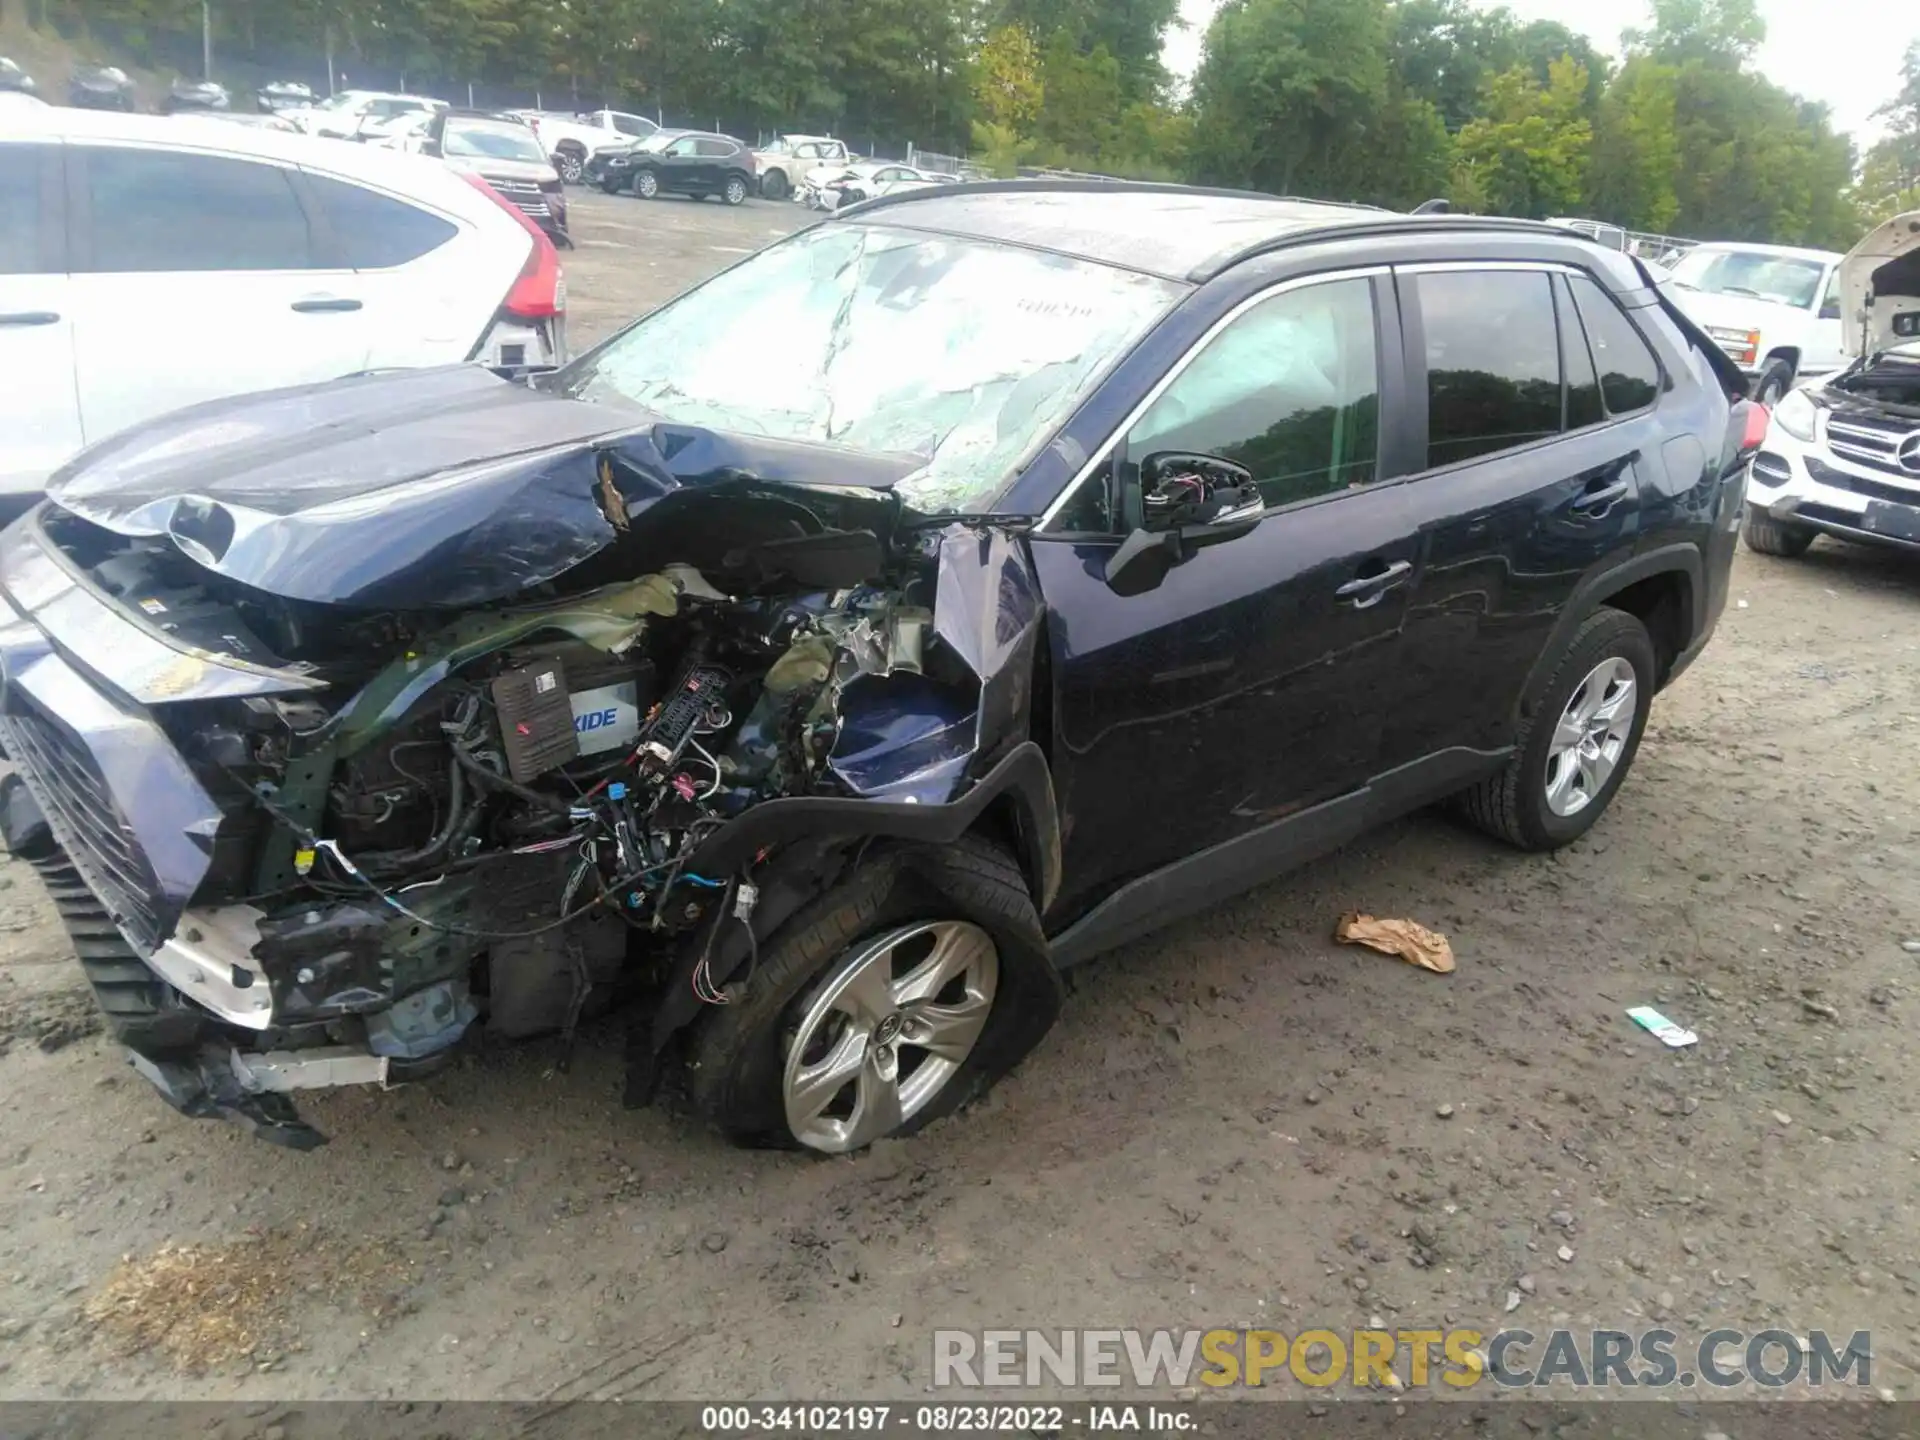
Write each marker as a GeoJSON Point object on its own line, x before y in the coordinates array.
{"type": "Point", "coordinates": [1774, 382]}
{"type": "Point", "coordinates": [1767, 536]}
{"type": "Point", "coordinates": [643, 179]}
{"type": "Point", "coordinates": [571, 164]}
{"type": "Point", "coordinates": [735, 190]}
{"type": "Point", "coordinates": [738, 1051]}
{"type": "Point", "coordinates": [1511, 805]}
{"type": "Point", "coordinates": [774, 185]}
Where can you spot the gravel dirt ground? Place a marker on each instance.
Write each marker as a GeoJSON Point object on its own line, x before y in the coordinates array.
{"type": "Point", "coordinates": [1235, 1123]}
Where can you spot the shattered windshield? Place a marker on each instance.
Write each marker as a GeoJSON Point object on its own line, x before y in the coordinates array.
{"type": "Point", "coordinates": [964, 353]}
{"type": "Point", "coordinates": [1754, 273]}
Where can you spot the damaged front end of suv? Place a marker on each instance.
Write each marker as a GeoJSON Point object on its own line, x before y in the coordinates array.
{"type": "Point", "coordinates": [342, 718]}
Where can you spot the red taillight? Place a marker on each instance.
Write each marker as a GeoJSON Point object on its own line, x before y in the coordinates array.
{"type": "Point", "coordinates": [539, 291]}
{"type": "Point", "coordinates": [1755, 433]}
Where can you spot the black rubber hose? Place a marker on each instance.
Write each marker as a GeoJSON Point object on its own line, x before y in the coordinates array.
{"type": "Point", "coordinates": [440, 838]}
{"type": "Point", "coordinates": [491, 779]}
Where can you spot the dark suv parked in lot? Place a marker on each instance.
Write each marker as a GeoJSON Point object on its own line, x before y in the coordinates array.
{"type": "Point", "coordinates": [947, 594]}
{"type": "Point", "coordinates": [685, 163]}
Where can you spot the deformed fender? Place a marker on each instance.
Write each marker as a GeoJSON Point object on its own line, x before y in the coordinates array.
{"type": "Point", "coordinates": [1021, 779]}
{"type": "Point", "coordinates": [1594, 592]}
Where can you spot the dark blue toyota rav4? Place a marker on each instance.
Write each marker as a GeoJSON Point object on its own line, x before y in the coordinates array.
{"type": "Point", "coordinates": [819, 667]}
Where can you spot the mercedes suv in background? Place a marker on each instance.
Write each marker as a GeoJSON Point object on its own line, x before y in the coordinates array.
{"type": "Point", "coordinates": [1842, 457]}
{"type": "Point", "coordinates": [948, 593]}
{"type": "Point", "coordinates": [148, 264]}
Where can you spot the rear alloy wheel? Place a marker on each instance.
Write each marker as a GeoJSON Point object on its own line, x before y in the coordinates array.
{"type": "Point", "coordinates": [1768, 536]}
{"type": "Point", "coordinates": [774, 185]}
{"type": "Point", "coordinates": [570, 165]}
{"type": "Point", "coordinates": [736, 190]}
{"type": "Point", "coordinates": [646, 185]}
{"type": "Point", "coordinates": [1575, 748]}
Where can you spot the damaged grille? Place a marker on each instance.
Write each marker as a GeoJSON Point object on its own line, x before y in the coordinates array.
{"type": "Point", "coordinates": [85, 819]}
{"type": "Point", "coordinates": [524, 195]}
{"type": "Point", "coordinates": [1868, 440]}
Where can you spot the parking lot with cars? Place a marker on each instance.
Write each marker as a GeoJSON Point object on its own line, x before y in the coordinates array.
{"type": "Point", "coordinates": [1235, 1121]}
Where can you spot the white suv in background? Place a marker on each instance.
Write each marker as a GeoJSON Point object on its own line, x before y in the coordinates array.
{"type": "Point", "coordinates": [184, 259]}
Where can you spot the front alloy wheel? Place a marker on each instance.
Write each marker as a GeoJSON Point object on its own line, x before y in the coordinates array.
{"type": "Point", "coordinates": [895, 996]}
{"type": "Point", "coordinates": [646, 185]}
{"type": "Point", "coordinates": [570, 166]}
{"type": "Point", "coordinates": [887, 1029]}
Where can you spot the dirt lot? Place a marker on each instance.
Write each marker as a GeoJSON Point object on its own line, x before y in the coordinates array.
{"type": "Point", "coordinates": [1235, 1122]}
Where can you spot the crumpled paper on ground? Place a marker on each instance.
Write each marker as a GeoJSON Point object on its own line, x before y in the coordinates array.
{"type": "Point", "coordinates": [1408, 939]}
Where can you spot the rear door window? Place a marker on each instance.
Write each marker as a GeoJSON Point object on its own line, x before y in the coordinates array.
{"type": "Point", "coordinates": [1629, 375]}
{"type": "Point", "coordinates": [24, 211]}
{"type": "Point", "coordinates": [375, 231]}
{"type": "Point", "coordinates": [1493, 361]}
{"type": "Point", "coordinates": [164, 210]}
{"type": "Point", "coordinates": [714, 149]}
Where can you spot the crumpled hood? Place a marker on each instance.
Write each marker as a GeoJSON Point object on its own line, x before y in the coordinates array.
{"type": "Point", "coordinates": [417, 489]}
{"type": "Point", "coordinates": [1880, 279]}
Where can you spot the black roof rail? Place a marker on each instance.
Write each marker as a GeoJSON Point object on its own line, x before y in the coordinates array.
{"type": "Point", "coordinates": [1392, 224]}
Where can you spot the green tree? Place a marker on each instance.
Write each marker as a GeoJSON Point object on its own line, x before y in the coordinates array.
{"type": "Point", "coordinates": [1727, 31]}
{"type": "Point", "coordinates": [1634, 174]}
{"type": "Point", "coordinates": [1527, 154]}
{"type": "Point", "coordinates": [1007, 83]}
{"type": "Point", "coordinates": [1890, 175]}
{"type": "Point", "coordinates": [1289, 93]}
{"type": "Point", "coordinates": [1080, 104]}
{"type": "Point", "coordinates": [1131, 31]}
{"type": "Point", "coordinates": [1445, 51]}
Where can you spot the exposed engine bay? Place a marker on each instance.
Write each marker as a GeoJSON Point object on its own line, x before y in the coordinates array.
{"type": "Point", "coordinates": [1890, 379]}
{"type": "Point", "coordinates": [521, 814]}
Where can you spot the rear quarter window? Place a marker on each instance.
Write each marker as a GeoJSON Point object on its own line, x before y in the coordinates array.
{"type": "Point", "coordinates": [375, 231]}
{"type": "Point", "coordinates": [1629, 374]}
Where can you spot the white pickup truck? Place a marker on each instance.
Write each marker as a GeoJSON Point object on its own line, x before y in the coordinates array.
{"type": "Point", "coordinates": [1774, 309]}
{"type": "Point", "coordinates": [572, 139]}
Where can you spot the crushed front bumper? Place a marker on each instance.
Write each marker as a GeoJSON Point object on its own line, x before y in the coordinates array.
{"type": "Point", "coordinates": [1807, 483]}
{"type": "Point", "coordinates": [234, 1003]}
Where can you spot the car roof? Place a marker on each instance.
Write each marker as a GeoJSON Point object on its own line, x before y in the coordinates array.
{"type": "Point", "coordinates": [414, 176]}
{"type": "Point", "coordinates": [1178, 232]}
{"type": "Point", "coordinates": [1784, 252]}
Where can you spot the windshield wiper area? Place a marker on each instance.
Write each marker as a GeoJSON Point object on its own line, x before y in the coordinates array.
{"type": "Point", "coordinates": [972, 520]}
